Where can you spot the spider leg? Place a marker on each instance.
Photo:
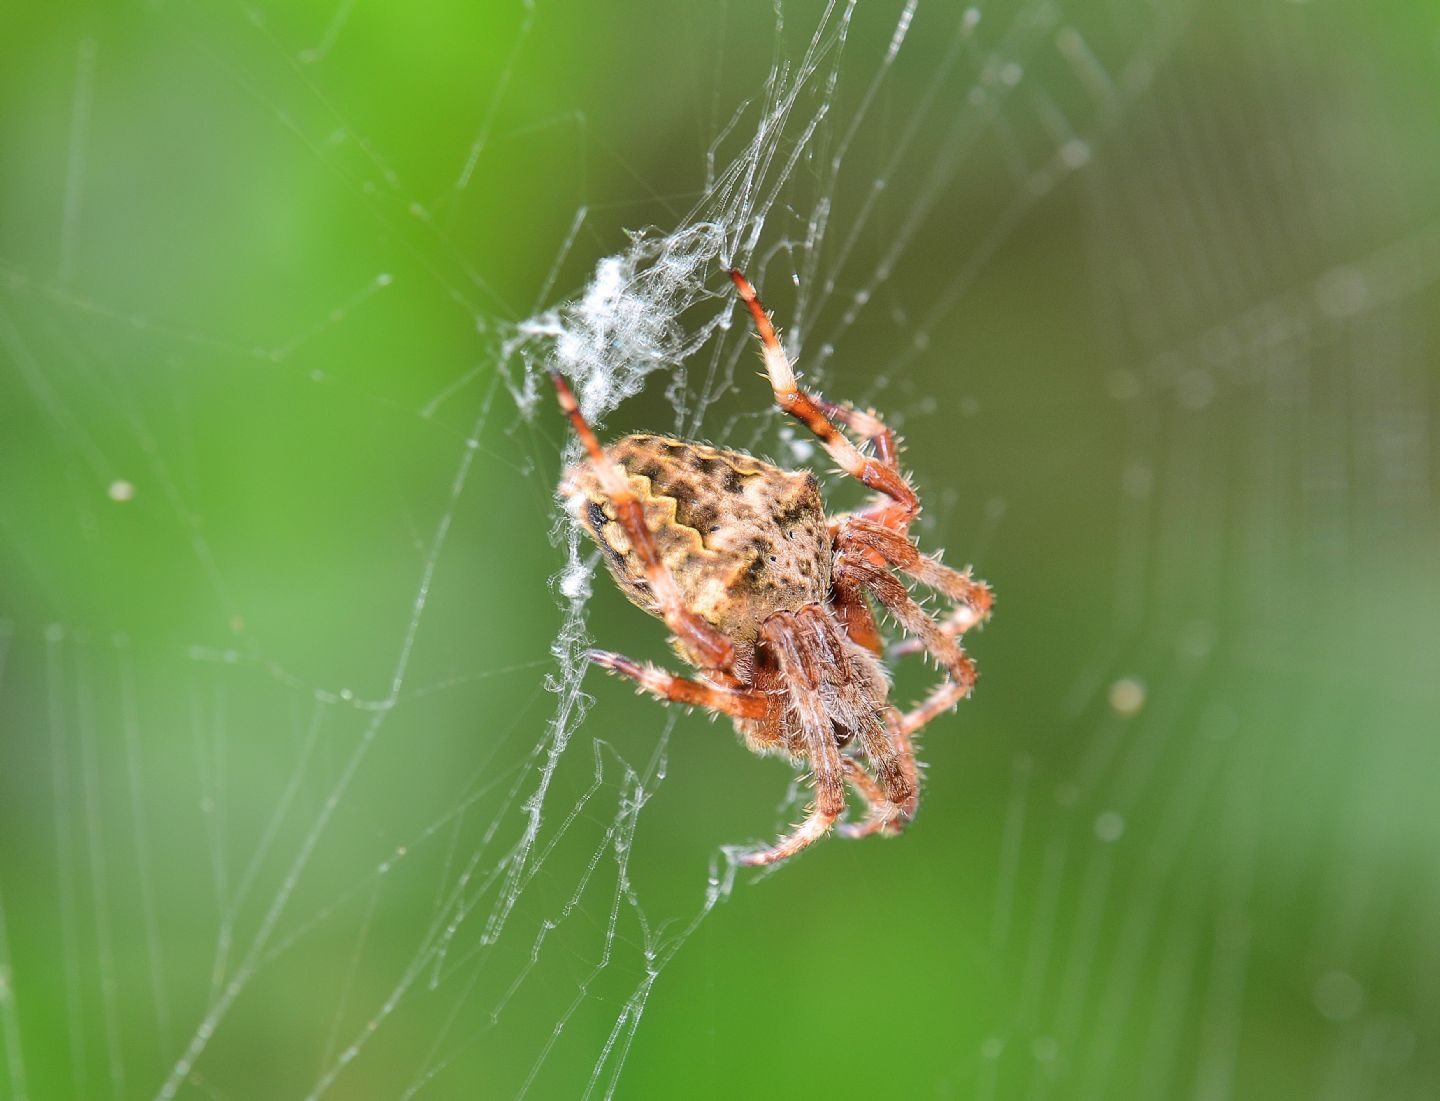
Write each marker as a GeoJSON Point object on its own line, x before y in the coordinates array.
{"type": "Point", "coordinates": [801, 663]}
{"type": "Point", "coordinates": [894, 764]}
{"type": "Point", "coordinates": [942, 699]}
{"type": "Point", "coordinates": [737, 703]}
{"type": "Point", "coordinates": [960, 620]}
{"type": "Point", "coordinates": [974, 597]}
{"type": "Point", "coordinates": [867, 425]}
{"type": "Point", "coordinates": [881, 814]}
{"type": "Point", "coordinates": [973, 601]}
{"type": "Point", "coordinates": [853, 613]}
{"type": "Point", "coordinates": [852, 566]}
{"type": "Point", "coordinates": [711, 648]}
{"type": "Point", "coordinates": [879, 475]}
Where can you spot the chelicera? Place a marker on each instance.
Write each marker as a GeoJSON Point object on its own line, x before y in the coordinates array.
{"type": "Point", "coordinates": [770, 599]}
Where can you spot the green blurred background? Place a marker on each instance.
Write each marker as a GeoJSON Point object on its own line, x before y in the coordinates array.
{"type": "Point", "coordinates": [297, 794]}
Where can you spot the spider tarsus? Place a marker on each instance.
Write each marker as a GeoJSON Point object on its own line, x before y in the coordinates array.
{"type": "Point", "coordinates": [613, 662]}
{"type": "Point", "coordinates": [853, 831]}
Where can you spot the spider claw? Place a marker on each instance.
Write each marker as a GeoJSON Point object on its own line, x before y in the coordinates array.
{"type": "Point", "coordinates": [621, 666]}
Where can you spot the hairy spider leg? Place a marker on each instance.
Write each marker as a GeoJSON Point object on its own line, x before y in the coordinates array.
{"type": "Point", "coordinates": [895, 771]}
{"type": "Point", "coordinates": [880, 814]}
{"type": "Point", "coordinates": [737, 703]}
{"type": "Point", "coordinates": [852, 566]}
{"type": "Point", "coordinates": [960, 620]}
{"type": "Point", "coordinates": [875, 473]}
{"type": "Point", "coordinates": [853, 613]}
{"type": "Point", "coordinates": [711, 648]}
{"type": "Point", "coordinates": [945, 696]}
{"type": "Point", "coordinates": [973, 599]}
{"type": "Point", "coordinates": [869, 427]}
{"type": "Point", "coordinates": [800, 662]}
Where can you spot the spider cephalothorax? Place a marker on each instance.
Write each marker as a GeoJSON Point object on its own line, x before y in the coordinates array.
{"type": "Point", "coordinates": [770, 599]}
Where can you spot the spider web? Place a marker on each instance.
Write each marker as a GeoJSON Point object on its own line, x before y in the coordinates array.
{"type": "Point", "coordinates": [305, 787]}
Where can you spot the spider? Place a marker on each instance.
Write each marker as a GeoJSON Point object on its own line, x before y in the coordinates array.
{"type": "Point", "coordinates": [769, 599]}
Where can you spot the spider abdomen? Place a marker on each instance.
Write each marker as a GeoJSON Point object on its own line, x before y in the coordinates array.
{"type": "Point", "coordinates": [742, 538]}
